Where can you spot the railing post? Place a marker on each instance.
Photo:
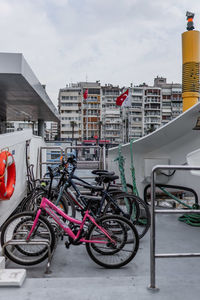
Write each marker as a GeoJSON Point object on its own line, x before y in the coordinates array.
{"type": "Point", "coordinates": [152, 237]}
{"type": "Point", "coordinates": [40, 162]}
{"type": "Point", "coordinates": [153, 254]}
{"type": "Point", "coordinates": [104, 158]}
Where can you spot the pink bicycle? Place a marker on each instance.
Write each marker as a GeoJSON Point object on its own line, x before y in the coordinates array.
{"type": "Point", "coordinates": [111, 241]}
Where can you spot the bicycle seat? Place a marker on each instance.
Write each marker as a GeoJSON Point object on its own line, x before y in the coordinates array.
{"type": "Point", "coordinates": [96, 171]}
{"type": "Point", "coordinates": [109, 178]}
{"type": "Point", "coordinates": [101, 176]}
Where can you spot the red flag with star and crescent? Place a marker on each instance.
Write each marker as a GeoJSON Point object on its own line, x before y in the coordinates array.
{"type": "Point", "coordinates": [85, 94]}
{"type": "Point", "coordinates": [123, 99]}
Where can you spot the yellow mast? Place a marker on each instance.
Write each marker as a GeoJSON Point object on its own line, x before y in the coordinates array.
{"type": "Point", "coordinates": [191, 64]}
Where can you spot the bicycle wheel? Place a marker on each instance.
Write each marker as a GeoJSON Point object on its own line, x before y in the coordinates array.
{"type": "Point", "coordinates": [126, 242]}
{"type": "Point", "coordinates": [140, 214]}
{"type": "Point", "coordinates": [121, 205]}
{"type": "Point", "coordinates": [71, 205]}
{"type": "Point", "coordinates": [33, 203]}
{"type": "Point", "coordinates": [142, 221]}
{"type": "Point", "coordinates": [17, 228]}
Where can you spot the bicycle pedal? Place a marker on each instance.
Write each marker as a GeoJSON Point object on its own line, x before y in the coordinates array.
{"type": "Point", "coordinates": [67, 244]}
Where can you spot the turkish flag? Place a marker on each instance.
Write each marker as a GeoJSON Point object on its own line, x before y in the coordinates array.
{"type": "Point", "coordinates": [85, 94]}
{"type": "Point", "coordinates": [123, 99]}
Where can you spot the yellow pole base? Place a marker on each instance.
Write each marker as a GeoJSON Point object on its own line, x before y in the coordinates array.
{"type": "Point", "coordinates": [189, 99]}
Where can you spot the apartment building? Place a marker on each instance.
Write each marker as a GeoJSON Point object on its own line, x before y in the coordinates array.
{"type": "Point", "coordinates": [111, 114]}
{"type": "Point", "coordinates": [171, 99]}
{"type": "Point", "coordinates": [136, 113]}
{"type": "Point", "coordinates": [69, 106]}
{"type": "Point", "coordinates": [99, 117]}
{"type": "Point", "coordinates": [80, 118]}
{"type": "Point", "coordinates": [52, 132]}
{"type": "Point", "coordinates": [152, 109]}
{"type": "Point", "coordinates": [91, 110]}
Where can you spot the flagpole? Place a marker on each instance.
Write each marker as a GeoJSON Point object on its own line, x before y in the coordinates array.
{"type": "Point", "coordinates": [85, 97]}
{"type": "Point", "coordinates": [87, 118]}
{"type": "Point", "coordinates": [127, 125]}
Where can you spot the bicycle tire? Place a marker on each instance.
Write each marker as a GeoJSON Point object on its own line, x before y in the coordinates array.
{"type": "Point", "coordinates": [33, 203]}
{"type": "Point", "coordinates": [141, 217]}
{"type": "Point", "coordinates": [71, 205]}
{"type": "Point", "coordinates": [129, 239]}
{"type": "Point", "coordinates": [143, 221]}
{"type": "Point", "coordinates": [122, 201]}
{"type": "Point", "coordinates": [33, 256]}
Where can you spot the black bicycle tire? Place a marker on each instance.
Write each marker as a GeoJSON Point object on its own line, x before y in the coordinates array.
{"type": "Point", "coordinates": [26, 205]}
{"type": "Point", "coordinates": [147, 216]}
{"type": "Point", "coordinates": [115, 198]}
{"type": "Point", "coordinates": [71, 202]}
{"type": "Point", "coordinates": [114, 251]}
{"type": "Point", "coordinates": [28, 215]}
{"type": "Point", "coordinates": [88, 245]}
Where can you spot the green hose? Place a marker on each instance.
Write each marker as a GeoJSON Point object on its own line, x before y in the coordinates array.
{"type": "Point", "coordinates": [191, 219]}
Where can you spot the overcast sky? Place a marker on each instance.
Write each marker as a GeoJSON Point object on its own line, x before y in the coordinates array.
{"type": "Point", "coordinates": [114, 41]}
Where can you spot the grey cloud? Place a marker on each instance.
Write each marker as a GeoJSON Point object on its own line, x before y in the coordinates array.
{"type": "Point", "coordinates": [119, 41]}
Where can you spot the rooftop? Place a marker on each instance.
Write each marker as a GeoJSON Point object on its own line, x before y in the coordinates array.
{"type": "Point", "coordinates": [22, 96]}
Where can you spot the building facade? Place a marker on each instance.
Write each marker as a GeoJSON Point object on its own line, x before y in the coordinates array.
{"type": "Point", "coordinates": [69, 107]}
{"type": "Point", "coordinates": [112, 125]}
{"type": "Point", "coordinates": [171, 99]}
{"type": "Point", "coordinates": [91, 110]}
{"type": "Point", "coordinates": [98, 116]}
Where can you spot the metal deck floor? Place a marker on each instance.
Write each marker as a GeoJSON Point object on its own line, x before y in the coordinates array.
{"type": "Point", "coordinates": [76, 276]}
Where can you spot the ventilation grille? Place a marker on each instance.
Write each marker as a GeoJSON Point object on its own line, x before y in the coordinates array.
{"type": "Point", "coordinates": [191, 77]}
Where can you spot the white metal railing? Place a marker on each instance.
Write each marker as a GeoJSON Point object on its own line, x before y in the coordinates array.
{"type": "Point", "coordinates": [99, 162]}
{"type": "Point", "coordinates": [153, 254]}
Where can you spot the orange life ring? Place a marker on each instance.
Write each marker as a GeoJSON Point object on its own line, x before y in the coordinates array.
{"type": "Point", "coordinates": [7, 175]}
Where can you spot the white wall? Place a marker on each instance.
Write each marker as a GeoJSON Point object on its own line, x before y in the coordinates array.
{"type": "Point", "coordinates": [35, 144]}
{"type": "Point", "coordinates": [168, 145]}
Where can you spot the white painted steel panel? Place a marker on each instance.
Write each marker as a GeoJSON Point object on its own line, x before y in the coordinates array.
{"type": "Point", "coordinates": [174, 140]}
{"type": "Point", "coordinates": [193, 159]}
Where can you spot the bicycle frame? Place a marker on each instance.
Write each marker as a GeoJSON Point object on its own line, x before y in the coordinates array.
{"type": "Point", "coordinates": [49, 207]}
{"type": "Point", "coordinates": [70, 182]}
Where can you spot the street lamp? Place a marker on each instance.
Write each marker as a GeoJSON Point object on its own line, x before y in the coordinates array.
{"type": "Point", "coordinates": [73, 124]}
{"type": "Point", "coordinates": [100, 124]}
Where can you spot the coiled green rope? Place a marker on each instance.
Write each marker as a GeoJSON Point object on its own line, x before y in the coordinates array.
{"type": "Point", "coordinates": [135, 190]}
{"type": "Point", "coordinates": [190, 219]}
{"type": "Point", "coordinates": [121, 162]}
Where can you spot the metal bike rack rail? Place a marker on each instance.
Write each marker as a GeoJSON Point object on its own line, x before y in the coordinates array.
{"type": "Point", "coordinates": [49, 163]}
{"type": "Point", "coordinates": [153, 254]}
{"type": "Point", "coordinates": [101, 154]}
{"type": "Point", "coordinates": [101, 162]}
{"type": "Point", "coordinates": [35, 242]}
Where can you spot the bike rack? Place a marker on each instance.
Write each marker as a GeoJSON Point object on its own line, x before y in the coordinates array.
{"type": "Point", "coordinates": [153, 254]}
{"type": "Point", "coordinates": [35, 242]}
{"type": "Point", "coordinates": [49, 163]}
{"type": "Point", "coordinates": [101, 162]}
